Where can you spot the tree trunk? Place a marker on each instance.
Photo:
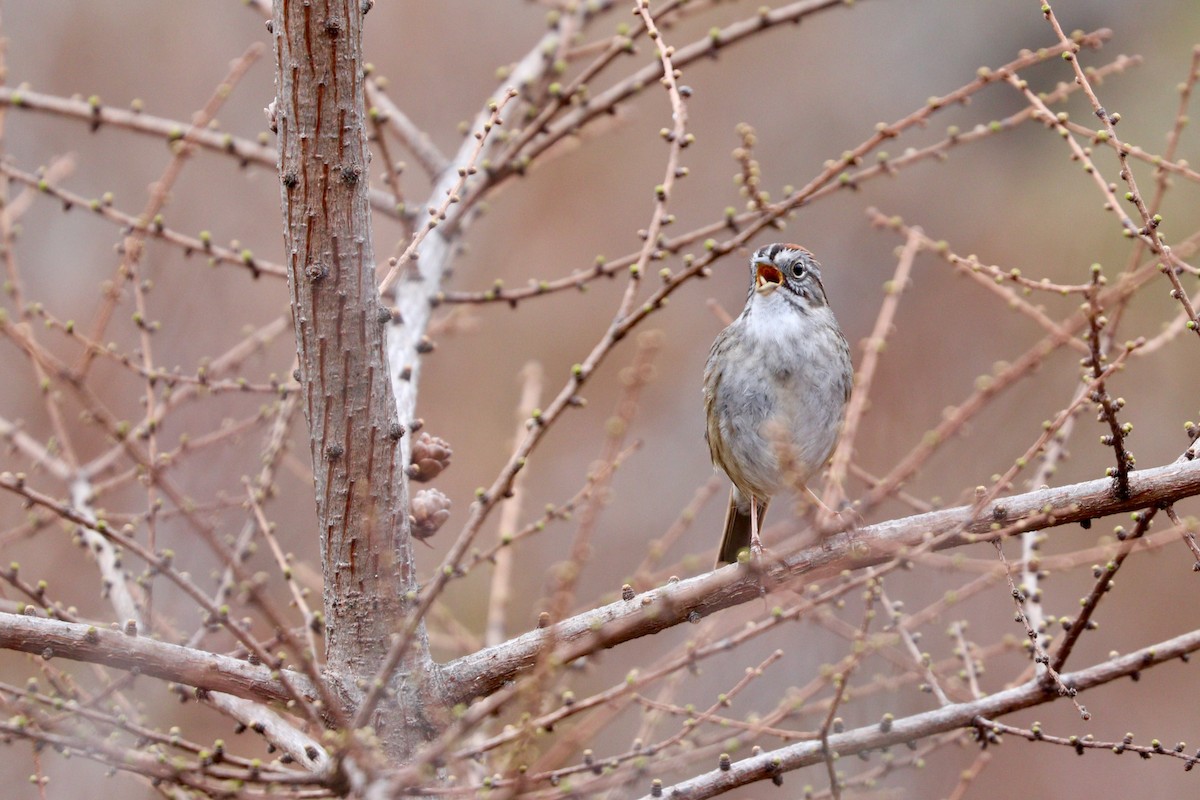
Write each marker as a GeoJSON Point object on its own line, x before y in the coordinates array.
{"type": "Point", "coordinates": [341, 328]}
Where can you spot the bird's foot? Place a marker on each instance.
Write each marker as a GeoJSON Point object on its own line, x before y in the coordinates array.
{"type": "Point", "coordinates": [756, 548]}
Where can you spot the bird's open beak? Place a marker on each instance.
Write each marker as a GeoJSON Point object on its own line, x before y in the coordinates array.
{"type": "Point", "coordinates": [767, 277]}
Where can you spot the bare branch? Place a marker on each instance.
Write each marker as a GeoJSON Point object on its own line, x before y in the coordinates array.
{"type": "Point", "coordinates": [918, 726]}
{"type": "Point", "coordinates": [480, 673]}
{"type": "Point", "coordinates": [203, 670]}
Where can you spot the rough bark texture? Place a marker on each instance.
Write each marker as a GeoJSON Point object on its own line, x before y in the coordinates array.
{"type": "Point", "coordinates": [341, 327]}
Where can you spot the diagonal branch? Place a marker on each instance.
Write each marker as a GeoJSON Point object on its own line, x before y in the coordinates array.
{"type": "Point", "coordinates": [483, 672]}
{"type": "Point", "coordinates": [767, 765]}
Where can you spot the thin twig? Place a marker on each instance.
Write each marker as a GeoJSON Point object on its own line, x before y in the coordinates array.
{"type": "Point", "coordinates": [496, 628]}
{"type": "Point", "coordinates": [865, 375]}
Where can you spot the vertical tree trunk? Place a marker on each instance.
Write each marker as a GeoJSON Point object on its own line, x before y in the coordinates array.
{"type": "Point", "coordinates": [340, 322]}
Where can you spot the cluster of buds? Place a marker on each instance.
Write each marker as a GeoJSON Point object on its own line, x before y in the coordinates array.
{"type": "Point", "coordinates": [429, 510]}
{"type": "Point", "coordinates": [430, 455]}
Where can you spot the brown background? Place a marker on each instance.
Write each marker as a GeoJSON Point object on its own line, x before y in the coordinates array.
{"type": "Point", "coordinates": [812, 92]}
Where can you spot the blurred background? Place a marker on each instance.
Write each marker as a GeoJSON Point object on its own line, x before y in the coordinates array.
{"type": "Point", "coordinates": [811, 92]}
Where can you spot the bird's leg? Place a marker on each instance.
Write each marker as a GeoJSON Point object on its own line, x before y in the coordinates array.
{"type": "Point", "coordinates": [755, 542]}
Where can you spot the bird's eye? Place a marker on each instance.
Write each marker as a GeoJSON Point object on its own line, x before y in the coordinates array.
{"type": "Point", "coordinates": [798, 271]}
